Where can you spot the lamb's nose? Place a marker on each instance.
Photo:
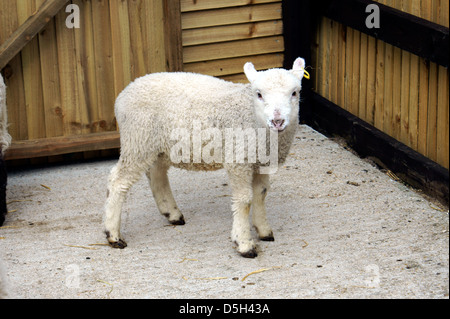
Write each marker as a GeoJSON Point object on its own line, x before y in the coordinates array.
{"type": "Point", "coordinates": [278, 123]}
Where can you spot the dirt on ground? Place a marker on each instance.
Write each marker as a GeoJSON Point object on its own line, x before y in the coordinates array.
{"type": "Point", "coordinates": [343, 229]}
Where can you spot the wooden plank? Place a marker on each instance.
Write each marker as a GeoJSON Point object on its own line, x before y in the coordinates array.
{"type": "Point", "coordinates": [371, 79]}
{"type": "Point", "coordinates": [355, 75]}
{"type": "Point", "coordinates": [413, 102]}
{"type": "Point", "coordinates": [120, 36]}
{"type": "Point", "coordinates": [232, 32]}
{"type": "Point", "coordinates": [63, 145]}
{"type": "Point", "coordinates": [405, 88]}
{"type": "Point", "coordinates": [341, 64]}
{"type": "Point", "coordinates": [363, 75]}
{"type": "Point", "coordinates": [414, 9]}
{"type": "Point", "coordinates": [201, 19]}
{"type": "Point", "coordinates": [432, 112]}
{"type": "Point", "coordinates": [172, 36]}
{"type": "Point", "coordinates": [380, 85]}
{"type": "Point", "coordinates": [233, 49]}
{"type": "Point", "coordinates": [86, 74]}
{"type": "Point", "coordinates": [395, 120]}
{"type": "Point", "coordinates": [65, 40]}
{"type": "Point", "coordinates": [235, 65]}
{"type": "Point", "coordinates": [54, 113]}
{"type": "Point", "coordinates": [425, 9]}
{"type": "Point", "coordinates": [104, 66]}
{"type": "Point", "coordinates": [348, 84]}
{"type": "Point", "coordinates": [442, 126]}
{"type": "Point", "coordinates": [334, 59]}
{"type": "Point", "coordinates": [388, 89]}
{"type": "Point", "coordinates": [152, 21]}
{"type": "Point", "coordinates": [138, 67]}
{"type": "Point", "coordinates": [25, 32]}
{"type": "Point", "coordinates": [32, 78]}
{"type": "Point", "coordinates": [196, 5]}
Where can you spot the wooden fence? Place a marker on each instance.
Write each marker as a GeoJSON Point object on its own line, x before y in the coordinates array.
{"type": "Point", "coordinates": [403, 95]}
{"type": "Point", "coordinates": [62, 83]}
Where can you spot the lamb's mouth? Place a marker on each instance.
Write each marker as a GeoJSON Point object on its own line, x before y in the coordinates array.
{"type": "Point", "coordinates": [277, 125]}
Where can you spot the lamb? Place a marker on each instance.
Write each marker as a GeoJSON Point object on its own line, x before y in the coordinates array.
{"type": "Point", "coordinates": [5, 140]}
{"type": "Point", "coordinates": [154, 111]}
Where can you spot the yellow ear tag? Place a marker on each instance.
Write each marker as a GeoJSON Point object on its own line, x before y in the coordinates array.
{"type": "Point", "coordinates": [306, 74]}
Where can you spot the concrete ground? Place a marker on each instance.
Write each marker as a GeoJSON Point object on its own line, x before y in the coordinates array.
{"type": "Point", "coordinates": [343, 229]}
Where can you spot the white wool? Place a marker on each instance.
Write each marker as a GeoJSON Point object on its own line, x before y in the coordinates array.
{"type": "Point", "coordinates": [153, 107]}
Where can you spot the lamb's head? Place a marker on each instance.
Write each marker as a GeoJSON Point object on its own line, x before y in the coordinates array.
{"type": "Point", "coordinates": [276, 94]}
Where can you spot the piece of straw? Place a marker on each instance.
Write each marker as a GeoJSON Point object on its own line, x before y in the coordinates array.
{"type": "Point", "coordinates": [84, 247]}
{"type": "Point", "coordinates": [258, 271]}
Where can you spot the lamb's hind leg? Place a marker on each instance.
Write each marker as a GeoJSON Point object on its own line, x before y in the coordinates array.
{"type": "Point", "coordinates": [260, 189]}
{"type": "Point", "coordinates": [120, 180]}
{"type": "Point", "coordinates": [159, 183]}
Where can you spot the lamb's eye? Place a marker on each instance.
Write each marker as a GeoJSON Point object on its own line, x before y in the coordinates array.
{"type": "Point", "coordinates": [259, 95]}
{"type": "Point", "coordinates": [294, 94]}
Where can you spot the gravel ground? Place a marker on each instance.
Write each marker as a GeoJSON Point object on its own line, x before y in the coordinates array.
{"type": "Point", "coordinates": [343, 229]}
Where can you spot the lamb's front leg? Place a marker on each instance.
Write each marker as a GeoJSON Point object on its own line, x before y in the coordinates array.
{"type": "Point", "coordinates": [241, 184]}
{"type": "Point", "coordinates": [260, 188]}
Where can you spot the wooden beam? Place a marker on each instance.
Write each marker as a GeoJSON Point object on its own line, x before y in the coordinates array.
{"type": "Point", "coordinates": [63, 145]}
{"type": "Point", "coordinates": [403, 30]}
{"type": "Point", "coordinates": [16, 41]}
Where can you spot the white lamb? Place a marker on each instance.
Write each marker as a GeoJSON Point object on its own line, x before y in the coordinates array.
{"type": "Point", "coordinates": [153, 110]}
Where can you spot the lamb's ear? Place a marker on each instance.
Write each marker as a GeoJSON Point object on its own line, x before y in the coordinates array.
{"type": "Point", "coordinates": [298, 69]}
{"type": "Point", "coordinates": [250, 71]}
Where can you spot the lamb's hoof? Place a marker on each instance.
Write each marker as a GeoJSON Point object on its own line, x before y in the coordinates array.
{"type": "Point", "coordinates": [250, 254]}
{"type": "Point", "coordinates": [121, 244]}
{"type": "Point", "coordinates": [268, 238]}
{"type": "Point", "coordinates": [178, 222]}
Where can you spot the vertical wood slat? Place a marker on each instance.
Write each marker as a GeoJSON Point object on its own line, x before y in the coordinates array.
{"type": "Point", "coordinates": [396, 91]}
{"type": "Point", "coordinates": [32, 78]}
{"type": "Point", "coordinates": [173, 35]}
{"type": "Point", "coordinates": [101, 24]}
{"type": "Point", "coordinates": [120, 31]}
